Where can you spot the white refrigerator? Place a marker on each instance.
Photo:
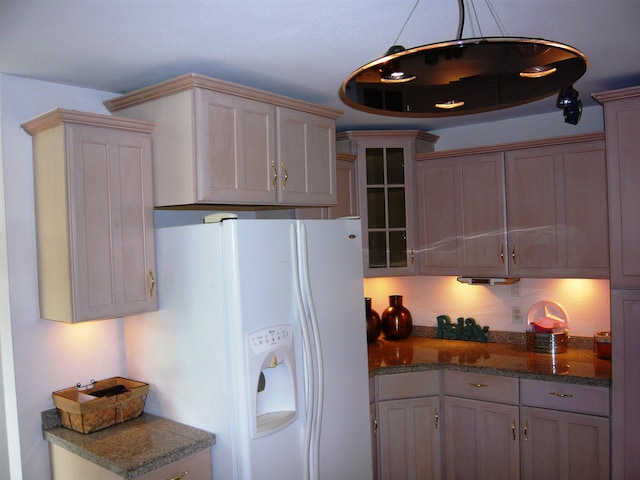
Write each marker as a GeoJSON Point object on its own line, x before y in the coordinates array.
{"type": "Point", "coordinates": [260, 338]}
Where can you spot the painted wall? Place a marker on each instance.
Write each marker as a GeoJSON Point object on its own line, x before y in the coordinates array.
{"type": "Point", "coordinates": [48, 355]}
{"type": "Point", "coordinates": [586, 302]}
{"type": "Point", "coordinates": [533, 127]}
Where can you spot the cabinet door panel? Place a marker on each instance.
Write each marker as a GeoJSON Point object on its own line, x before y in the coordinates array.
{"type": "Point", "coordinates": [409, 439]}
{"type": "Point", "coordinates": [112, 211]}
{"type": "Point", "coordinates": [560, 445]}
{"type": "Point", "coordinates": [234, 149]}
{"type": "Point", "coordinates": [483, 215]}
{"type": "Point", "coordinates": [306, 157]}
{"type": "Point", "coordinates": [481, 440]}
{"type": "Point", "coordinates": [533, 219]}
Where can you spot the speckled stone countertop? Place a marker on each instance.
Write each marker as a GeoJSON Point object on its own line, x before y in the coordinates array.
{"type": "Point", "coordinates": [415, 353]}
{"type": "Point", "coordinates": [132, 448]}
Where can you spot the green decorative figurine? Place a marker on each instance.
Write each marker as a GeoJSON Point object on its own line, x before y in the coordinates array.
{"type": "Point", "coordinates": [465, 329]}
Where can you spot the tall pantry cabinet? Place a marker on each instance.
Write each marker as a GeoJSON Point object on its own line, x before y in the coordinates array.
{"type": "Point", "coordinates": [622, 127]}
{"type": "Point", "coordinates": [94, 215]}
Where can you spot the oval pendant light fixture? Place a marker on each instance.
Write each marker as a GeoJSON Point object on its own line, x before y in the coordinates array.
{"type": "Point", "coordinates": [464, 76]}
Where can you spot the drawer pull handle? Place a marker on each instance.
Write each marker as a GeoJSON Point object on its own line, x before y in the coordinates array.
{"type": "Point", "coordinates": [479, 385]}
{"type": "Point", "coordinates": [182, 475]}
{"type": "Point", "coordinates": [562, 395]}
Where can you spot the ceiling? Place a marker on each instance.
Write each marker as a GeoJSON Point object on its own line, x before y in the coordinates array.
{"type": "Point", "coordinates": [302, 49]}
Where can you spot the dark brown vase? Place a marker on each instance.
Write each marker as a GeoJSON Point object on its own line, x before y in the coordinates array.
{"type": "Point", "coordinates": [396, 319]}
{"type": "Point", "coordinates": [373, 321]}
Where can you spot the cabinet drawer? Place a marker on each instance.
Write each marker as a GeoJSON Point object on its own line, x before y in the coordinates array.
{"type": "Point", "coordinates": [196, 466]}
{"type": "Point", "coordinates": [408, 385]}
{"type": "Point", "coordinates": [565, 396]}
{"type": "Point", "coordinates": [492, 388]}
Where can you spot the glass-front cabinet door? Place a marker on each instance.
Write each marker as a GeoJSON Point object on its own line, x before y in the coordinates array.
{"type": "Point", "coordinates": [387, 208]}
{"type": "Point", "coordinates": [386, 189]}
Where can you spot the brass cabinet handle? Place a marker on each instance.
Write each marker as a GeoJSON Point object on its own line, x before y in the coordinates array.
{"type": "Point", "coordinates": [412, 256]}
{"type": "Point", "coordinates": [275, 174]}
{"type": "Point", "coordinates": [502, 254]}
{"type": "Point", "coordinates": [437, 418]}
{"type": "Point", "coordinates": [153, 283]}
{"type": "Point", "coordinates": [513, 255]}
{"type": "Point", "coordinates": [182, 475]}
{"type": "Point", "coordinates": [479, 385]}
{"type": "Point", "coordinates": [526, 430]}
{"type": "Point", "coordinates": [286, 175]}
{"type": "Point", "coordinates": [562, 395]}
{"type": "Point", "coordinates": [513, 428]}
{"type": "Point", "coordinates": [375, 426]}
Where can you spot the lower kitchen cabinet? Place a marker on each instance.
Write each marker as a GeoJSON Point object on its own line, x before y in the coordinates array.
{"type": "Point", "coordinates": [481, 426]}
{"type": "Point", "coordinates": [565, 431]}
{"type": "Point", "coordinates": [66, 465]}
{"type": "Point", "coordinates": [409, 434]}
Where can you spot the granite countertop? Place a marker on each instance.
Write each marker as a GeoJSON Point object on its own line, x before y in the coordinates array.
{"type": "Point", "coordinates": [132, 448]}
{"type": "Point", "coordinates": [425, 353]}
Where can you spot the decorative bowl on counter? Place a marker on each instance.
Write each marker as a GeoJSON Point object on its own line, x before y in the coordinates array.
{"type": "Point", "coordinates": [547, 328]}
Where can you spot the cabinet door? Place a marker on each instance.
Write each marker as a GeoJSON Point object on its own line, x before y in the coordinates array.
{"type": "Point", "coordinates": [625, 387]}
{"type": "Point", "coordinates": [387, 206]}
{"type": "Point", "coordinates": [409, 438]}
{"type": "Point", "coordinates": [235, 151]}
{"type": "Point", "coordinates": [560, 445]}
{"type": "Point", "coordinates": [461, 215]}
{"type": "Point", "coordinates": [557, 214]}
{"type": "Point", "coordinates": [111, 210]}
{"type": "Point", "coordinates": [306, 148]}
{"type": "Point", "coordinates": [481, 440]}
{"type": "Point", "coordinates": [622, 120]}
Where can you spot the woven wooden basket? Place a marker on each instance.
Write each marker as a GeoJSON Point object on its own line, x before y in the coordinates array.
{"type": "Point", "coordinates": [105, 403]}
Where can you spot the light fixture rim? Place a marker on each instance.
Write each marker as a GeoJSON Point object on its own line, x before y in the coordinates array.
{"type": "Point", "coordinates": [448, 44]}
{"type": "Point", "coordinates": [461, 43]}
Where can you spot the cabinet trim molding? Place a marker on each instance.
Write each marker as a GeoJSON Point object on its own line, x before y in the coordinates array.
{"type": "Point", "coordinates": [510, 146]}
{"type": "Point", "coordinates": [189, 81]}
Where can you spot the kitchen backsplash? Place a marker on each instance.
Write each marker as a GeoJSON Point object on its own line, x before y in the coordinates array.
{"type": "Point", "coordinates": [586, 301]}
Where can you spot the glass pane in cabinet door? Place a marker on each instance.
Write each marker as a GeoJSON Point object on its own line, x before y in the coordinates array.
{"type": "Point", "coordinates": [375, 208]}
{"type": "Point", "coordinates": [377, 250]}
{"type": "Point", "coordinates": [398, 249]}
{"type": "Point", "coordinates": [375, 166]}
{"type": "Point", "coordinates": [395, 166]}
{"type": "Point", "coordinates": [397, 210]}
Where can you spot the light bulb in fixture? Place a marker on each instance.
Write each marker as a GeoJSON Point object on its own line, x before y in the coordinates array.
{"type": "Point", "coordinates": [397, 77]}
{"type": "Point", "coordinates": [538, 71]}
{"type": "Point", "coordinates": [449, 104]}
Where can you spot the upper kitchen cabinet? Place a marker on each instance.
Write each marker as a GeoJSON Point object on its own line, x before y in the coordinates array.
{"type": "Point", "coordinates": [461, 215]}
{"type": "Point", "coordinates": [220, 143]}
{"type": "Point", "coordinates": [622, 127]}
{"type": "Point", "coordinates": [94, 215]}
{"type": "Point", "coordinates": [535, 209]}
{"type": "Point", "coordinates": [386, 189]}
{"type": "Point", "coordinates": [557, 211]}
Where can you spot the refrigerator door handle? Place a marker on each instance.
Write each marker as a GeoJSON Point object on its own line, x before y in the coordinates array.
{"type": "Point", "coordinates": [309, 380]}
{"type": "Point", "coordinates": [314, 362]}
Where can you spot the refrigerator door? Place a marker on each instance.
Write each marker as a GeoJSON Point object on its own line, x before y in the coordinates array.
{"type": "Point", "coordinates": [266, 380]}
{"type": "Point", "coordinates": [331, 262]}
